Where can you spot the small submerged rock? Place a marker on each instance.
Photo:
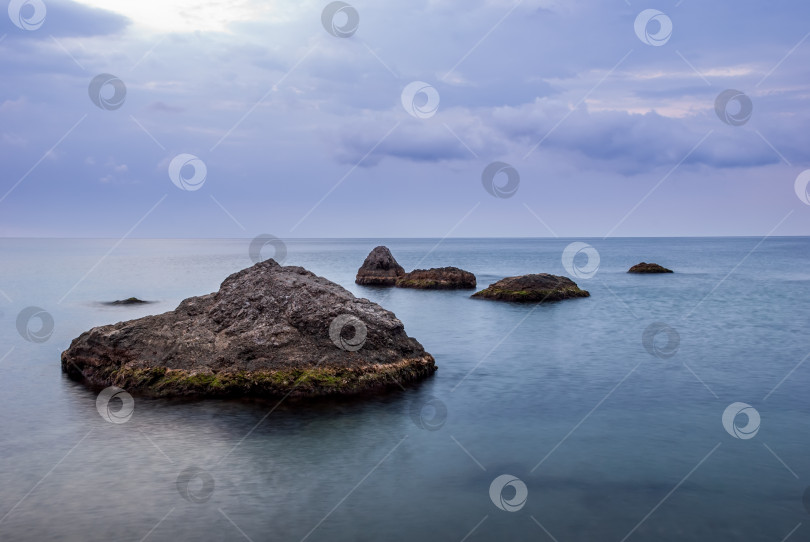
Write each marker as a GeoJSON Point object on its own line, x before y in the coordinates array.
{"type": "Point", "coordinates": [128, 301]}
{"type": "Point", "coordinates": [532, 288]}
{"type": "Point", "coordinates": [268, 331]}
{"type": "Point", "coordinates": [379, 269]}
{"type": "Point", "coordinates": [645, 267]}
{"type": "Point", "coordinates": [438, 278]}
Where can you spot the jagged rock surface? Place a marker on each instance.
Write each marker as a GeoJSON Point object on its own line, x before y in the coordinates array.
{"type": "Point", "coordinates": [379, 269]}
{"type": "Point", "coordinates": [268, 331]}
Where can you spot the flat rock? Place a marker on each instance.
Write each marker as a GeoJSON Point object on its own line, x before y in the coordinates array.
{"type": "Point", "coordinates": [532, 288]}
{"type": "Point", "coordinates": [645, 267]}
{"type": "Point", "coordinates": [128, 301]}
{"type": "Point", "coordinates": [379, 269]}
{"type": "Point", "coordinates": [268, 331]}
{"type": "Point", "coordinates": [437, 278]}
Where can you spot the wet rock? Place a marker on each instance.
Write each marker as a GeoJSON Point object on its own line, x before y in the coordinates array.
{"type": "Point", "coordinates": [379, 269]}
{"type": "Point", "coordinates": [645, 267]}
{"type": "Point", "coordinates": [439, 278]}
{"type": "Point", "coordinates": [268, 331]}
{"type": "Point", "coordinates": [532, 288]}
{"type": "Point", "coordinates": [129, 301]}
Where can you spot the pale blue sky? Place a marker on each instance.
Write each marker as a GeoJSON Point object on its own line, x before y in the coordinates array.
{"type": "Point", "coordinates": [304, 134]}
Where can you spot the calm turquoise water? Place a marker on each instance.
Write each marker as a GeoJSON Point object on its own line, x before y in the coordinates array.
{"type": "Point", "coordinates": [608, 439]}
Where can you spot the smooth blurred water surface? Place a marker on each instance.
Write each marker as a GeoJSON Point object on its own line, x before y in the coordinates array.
{"type": "Point", "coordinates": [609, 440]}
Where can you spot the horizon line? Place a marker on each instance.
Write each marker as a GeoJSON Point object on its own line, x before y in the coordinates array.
{"type": "Point", "coordinates": [561, 237]}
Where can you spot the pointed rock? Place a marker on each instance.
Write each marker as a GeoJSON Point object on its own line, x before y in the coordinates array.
{"type": "Point", "coordinates": [379, 269]}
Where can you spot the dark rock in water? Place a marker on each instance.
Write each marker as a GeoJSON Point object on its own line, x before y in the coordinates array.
{"type": "Point", "coordinates": [379, 269]}
{"type": "Point", "coordinates": [440, 278]}
{"type": "Point", "coordinates": [645, 267]}
{"type": "Point", "coordinates": [532, 288]}
{"type": "Point", "coordinates": [129, 301]}
{"type": "Point", "coordinates": [268, 331]}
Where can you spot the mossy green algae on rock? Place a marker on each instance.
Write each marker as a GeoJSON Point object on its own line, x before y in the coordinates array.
{"type": "Point", "coordinates": [538, 288]}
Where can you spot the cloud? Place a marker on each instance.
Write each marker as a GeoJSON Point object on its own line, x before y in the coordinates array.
{"type": "Point", "coordinates": [366, 143]}
{"type": "Point", "coordinates": [628, 143]}
{"type": "Point", "coordinates": [65, 18]}
{"type": "Point", "coordinates": [290, 101]}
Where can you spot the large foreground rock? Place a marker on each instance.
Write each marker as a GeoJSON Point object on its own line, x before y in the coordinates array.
{"type": "Point", "coordinates": [534, 288]}
{"type": "Point", "coordinates": [438, 278]}
{"type": "Point", "coordinates": [379, 269]}
{"type": "Point", "coordinates": [645, 267]}
{"type": "Point", "coordinates": [268, 331]}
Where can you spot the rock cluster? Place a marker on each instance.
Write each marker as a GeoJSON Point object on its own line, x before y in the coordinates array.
{"type": "Point", "coordinates": [381, 269]}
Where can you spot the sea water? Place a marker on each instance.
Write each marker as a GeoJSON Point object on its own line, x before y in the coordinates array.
{"type": "Point", "coordinates": [602, 436]}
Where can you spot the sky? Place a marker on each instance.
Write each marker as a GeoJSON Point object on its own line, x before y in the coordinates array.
{"type": "Point", "coordinates": [429, 118]}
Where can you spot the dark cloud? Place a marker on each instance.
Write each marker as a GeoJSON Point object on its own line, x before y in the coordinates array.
{"type": "Point", "coordinates": [408, 142]}
{"type": "Point", "coordinates": [624, 142]}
